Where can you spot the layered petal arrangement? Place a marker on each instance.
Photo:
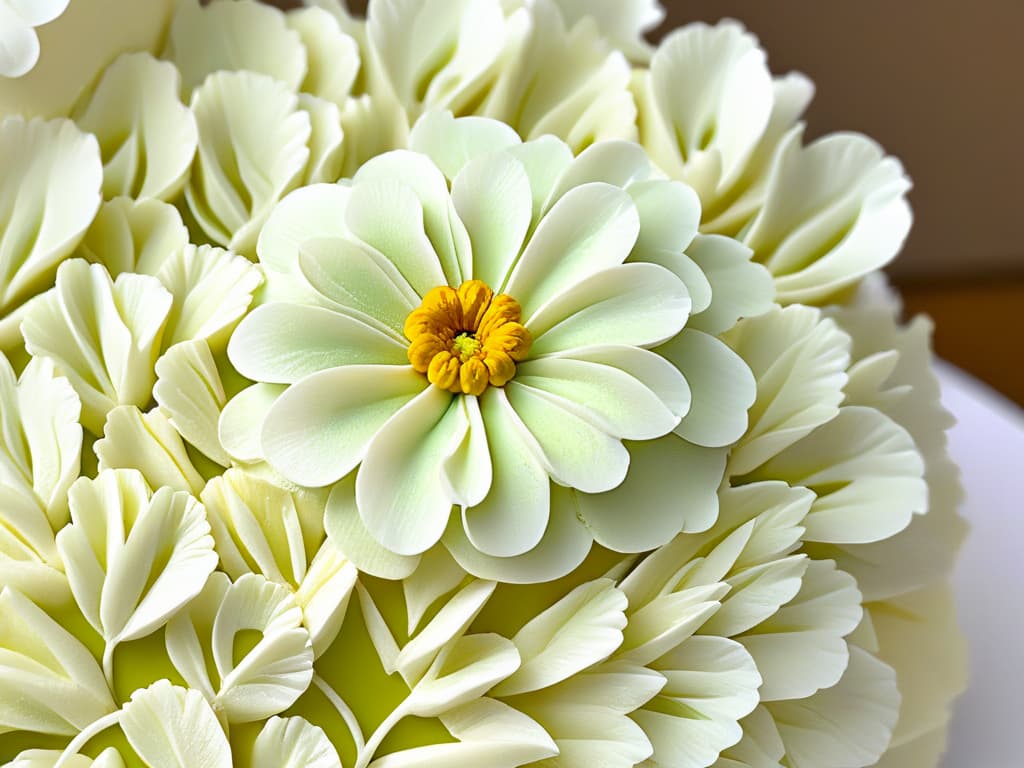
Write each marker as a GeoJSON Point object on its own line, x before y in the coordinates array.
{"type": "Point", "coordinates": [473, 384]}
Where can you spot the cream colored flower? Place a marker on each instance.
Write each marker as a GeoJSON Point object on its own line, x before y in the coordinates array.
{"type": "Point", "coordinates": [19, 45]}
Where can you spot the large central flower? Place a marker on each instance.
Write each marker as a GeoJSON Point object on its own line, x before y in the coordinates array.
{"type": "Point", "coordinates": [481, 324]}
{"type": "Point", "coordinates": [468, 338]}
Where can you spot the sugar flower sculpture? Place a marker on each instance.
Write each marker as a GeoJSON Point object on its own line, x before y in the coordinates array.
{"type": "Point", "coordinates": [475, 383]}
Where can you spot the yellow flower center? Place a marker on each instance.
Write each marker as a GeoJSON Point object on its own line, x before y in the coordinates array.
{"type": "Point", "coordinates": [466, 338]}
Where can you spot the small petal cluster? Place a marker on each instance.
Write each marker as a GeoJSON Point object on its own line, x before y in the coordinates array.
{"type": "Point", "coordinates": [475, 384]}
{"type": "Point", "coordinates": [467, 338]}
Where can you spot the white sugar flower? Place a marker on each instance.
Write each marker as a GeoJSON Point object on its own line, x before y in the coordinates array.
{"type": "Point", "coordinates": [19, 44]}
{"type": "Point", "coordinates": [467, 347]}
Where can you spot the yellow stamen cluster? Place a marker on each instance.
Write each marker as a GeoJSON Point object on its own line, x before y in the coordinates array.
{"type": "Point", "coordinates": [466, 338]}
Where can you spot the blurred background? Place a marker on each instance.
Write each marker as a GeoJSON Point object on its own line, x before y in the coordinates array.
{"type": "Point", "coordinates": [941, 90]}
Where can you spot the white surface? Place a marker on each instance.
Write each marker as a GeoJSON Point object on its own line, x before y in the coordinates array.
{"type": "Point", "coordinates": [988, 444]}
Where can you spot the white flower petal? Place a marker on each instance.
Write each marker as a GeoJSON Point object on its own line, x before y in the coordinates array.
{"type": "Point", "coordinates": [610, 389]}
{"type": "Point", "coordinates": [799, 360]}
{"type": "Point", "coordinates": [293, 742]}
{"type": "Point", "coordinates": [564, 546]}
{"type": "Point", "coordinates": [453, 142]}
{"type": "Point", "coordinates": [49, 681]}
{"type": "Point", "coordinates": [712, 683]}
{"type": "Point", "coordinates": [172, 727]}
{"type": "Point", "coordinates": [867, 474]}
{"type": "Point", "coordinates": [52, 178]}
{"type": "Point", "coordinates": [308, 213]}
{"type": "Point", "coordinates": [834, 211]}
{"type": "Point", "coordinates": [545, 160]}
{"type": "Point", "coordinates": [134, 236]}
{"type": "Point", "coordinates": [357, 280]}
{"type": "Point", "coordinates": [19, 45]}
{"type": "Point", "coordinates": [283, 343]}
{"type": "Point", "coordinates": [591, 228]}
{"type": "Point", "coordinates": [338, 410]}
{"type": "Point", "coordinates": [241, 420]}
{"type": "Point", "coordinates": [147, 442]}
{"type": "Point", "coordinates": [467, 465]}
{"type": "Point", "coordinates": [326, 140]}
{"type": "Point", "coordinates": [133, 559]}
{"type": "Point", "coordinates": [400, 491]}
{"type": "Point", "coordinates": [575, 452]}
{"type": "Point", "coordinates": [624, 23]}
{"type": "Point", "coordinates": [513, 516]}
{"type": "Point", "coordinates": [332, 56]}
{"type": "Point", "coordinates": [620, 164]}
{"type": "Point", "coordinates": [846, 726]}
{"type": "Point", "coordinates": [629, 304]}
{"type": "Point", "coordinates": [740, 288]}
{"type": "Point", "coordinates": [800, 648]}
{"type": "Point", "coordinates": [346, 530]}
{"type": "Point", "coordinates": [438, 230]}
{"type": "Point", "coordinates": [578, 631]}
{"type": "Point", "coordinates": [242, 35]}
{"type": "Point", "coordinates": [491, 195]}
{"type": "Point", "coordinates": [671, 487]}
{"type": "Point", "coordinates": [147, 136]}
{"type": "Point", "coordinates": [103, 335]}
{"type": "Point", "coordinates": [191, 395]}
{"type": "Point", "coordinates": [252, 151]}
{"type": "Point", "coordinates": [272, 675]}
{"type": "Point", "coordinates": [722, 385]}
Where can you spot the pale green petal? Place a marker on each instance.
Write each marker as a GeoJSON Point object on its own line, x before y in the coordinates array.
{"type": "Point", "coordinates": [580, 630]}
{"type": "Point", "coordinates": [400, 490]}
{"type": "Point", "coordinates": [712, 684]}
{"type": "Point", "coordinates": [283, 343]}
{"type": "Point", "coordinates": [320, 428]}
{"type": "Point", "coordinates": [212, 289]}
{"type": "Point", "coordinates": [47, 758]}
{"type": "Point", "coordinates": [324, 594]}
{"type": "Point", "coordinates": [467, 468]}
{"type": "Point", "coordinates": [511, 519]}
{"type": "Point", "coordinates": [332, 56]}
{"type": "Point", "coordinates": [590, 229]}
{"type": "Point", "coordinates": [234, 35]}
{"type": "Point", "coordinates": [103, 335]}
{"type": "Point", "coordinates": [51, 191]}
{"type": "Point", "coordinates": [624, 23]}
{"type": "Point", "coordinates": [760, 747]}
{"type": "Point", "coordinates": [147, 136]}
{"type": "Point", "coordinates": [134, 236]}
{"type": "Point", "coordinates": [623, 164]}
{"type": "Point", "coordinates": [846, 726]}
{"type": "Point", "coordinates": [564, 546]}
{"type": "Point", "coordinates": [545, 159]}
{"type": "Point", "coordinates": [867, 474]}
{"type": "Point", "coordinates": [293, 742]}
{"type": "Point", "coordinates": [133, 558]}
{"type": "Point", "coordinates": [426, 220]}
{"type": "Point", "coordinates": [492, 197]}
{"type": "Point", "coordinates": [740, 288]}
{"type": "Point", "coordinates": [627, 392]}
{"type": "Point", "coordinates": [172, 727]}
{"type": "Point", "coordinates": [799, 360]}
{"type": "Point", "coordinates": [356, 280]}
{"type": "Point", "coordinates": [667, 621]}
{"type": "Point", "coordinates": [346, 530]}
{"type": "Point", "coordinates": [451, 143]}
{"type": "Point", "coordinates": [722, 385]}
{"type": "Point", "coordinates": [49, 681]}
{"type": "Point", "coordinates": [670, 500]}
{"type": "Point", "coordinates": [800, 648]}
{"type": "Point", "coordinates": [308, 213]}
{"type": "Point", "coordinates": [629, 304]}
{"type": "Point", "coordinates": [575, 453]}
{"type": "Point", "coordinates": [191, 395]}
{"type": "Point", "coordinates": [147, 442]}
{"type": "Point", "coordinates": [241, 420]}
{"type": "Point", "coordinates": [252, 151]}
{"type": "Point", "coordinates": [834, 211]}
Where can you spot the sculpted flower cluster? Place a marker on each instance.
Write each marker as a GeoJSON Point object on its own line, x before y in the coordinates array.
{"type": "Point", "coordinates": [472, 384]}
